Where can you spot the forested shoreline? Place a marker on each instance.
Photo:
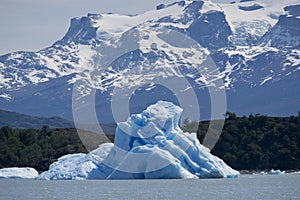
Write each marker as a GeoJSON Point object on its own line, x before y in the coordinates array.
{"type": "Point", "coordinates": [256, 142]}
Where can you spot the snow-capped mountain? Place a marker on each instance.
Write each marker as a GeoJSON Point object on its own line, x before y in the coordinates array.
{"type": "Point", "coordinates": [254, 45]}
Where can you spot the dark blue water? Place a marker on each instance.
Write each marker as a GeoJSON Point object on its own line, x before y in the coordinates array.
{"type": "Point", "coordinates": [246, 187]}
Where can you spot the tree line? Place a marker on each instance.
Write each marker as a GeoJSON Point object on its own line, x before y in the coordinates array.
{"type": "Point", "coordinates": [256, 142]}
{"type": "Point", "coordinates": [246, 143]}
{"type": "Point", "coordinates": [36, 148]}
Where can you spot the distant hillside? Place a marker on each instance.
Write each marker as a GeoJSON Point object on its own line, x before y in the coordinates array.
{"type": "Point", "coordinates": [17, 120]}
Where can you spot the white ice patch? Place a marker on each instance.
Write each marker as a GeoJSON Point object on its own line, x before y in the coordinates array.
{"type": "Point", "coordinates": [15, 172]}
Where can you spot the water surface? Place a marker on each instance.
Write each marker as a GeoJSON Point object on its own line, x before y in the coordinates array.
{"type": "Point", "coordinates": [245, 187]}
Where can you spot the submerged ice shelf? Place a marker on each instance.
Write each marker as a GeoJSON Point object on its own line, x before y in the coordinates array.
{"type": "Point", "coordinates": [147, 146]}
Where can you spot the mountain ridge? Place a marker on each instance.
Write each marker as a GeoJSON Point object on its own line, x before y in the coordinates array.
{"type": "Point", "coordinates": [18, 120]}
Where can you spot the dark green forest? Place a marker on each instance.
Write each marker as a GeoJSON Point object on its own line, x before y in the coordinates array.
{"type": "Point", "coordinates": [256, 142]}
{"type": "Point", "coordinates": [36, 148]}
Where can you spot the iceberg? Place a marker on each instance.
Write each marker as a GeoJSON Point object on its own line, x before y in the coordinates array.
{"type": "Point", "coordinates": [17, 172]}
{"type": "Point", "coordinates": [149, 145]}
{"type": "Point", "coordinates": [276, 172]}
{"type": "Point", "coordinates": [296, 172]}
{"type": "Point", "coordinates": [262, 173]}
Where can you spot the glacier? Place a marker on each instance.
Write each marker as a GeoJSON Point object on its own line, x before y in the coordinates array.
{"type": "Point", "coordinates": [19, 172]}
{"type": "Point", "coordinates": [149, 145]}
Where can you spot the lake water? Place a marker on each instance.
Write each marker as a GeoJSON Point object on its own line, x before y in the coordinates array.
{"type": "Point", "coordinates": [245, 187]}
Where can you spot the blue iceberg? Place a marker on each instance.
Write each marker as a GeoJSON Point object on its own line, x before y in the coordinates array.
{"type": "Point", "coordinates": [276, 172]}
{"type": "Point", "coordinates": [149, 145]}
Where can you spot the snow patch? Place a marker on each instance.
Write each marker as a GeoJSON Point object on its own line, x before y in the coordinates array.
{"type": "Point", "coordinates": [256, 22]}
{"type": "Point", "coordinates": [266, 79]}
{"type": "Point", "coordinates": [116, 24]}
{"type": "Point", "coordinates": [293, 60]}
{"type": "Point", "coordinates": [6, 96]}
{"type": "Point", "coordinates": [209, 6]}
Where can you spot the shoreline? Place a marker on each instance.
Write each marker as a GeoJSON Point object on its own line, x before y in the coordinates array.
{"type": "Point", "coordinates": [266, 171]}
